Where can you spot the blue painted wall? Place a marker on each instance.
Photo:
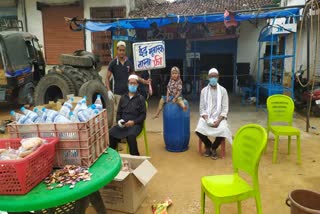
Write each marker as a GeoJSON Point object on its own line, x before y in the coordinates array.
{"type": "Point", "coordinates": [228, 46]}
{"type": "Point", "coordinates": [175, 49]}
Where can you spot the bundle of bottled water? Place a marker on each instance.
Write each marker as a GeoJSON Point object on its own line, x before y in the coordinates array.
{"type": "Point", "coordinates": [81, 113]}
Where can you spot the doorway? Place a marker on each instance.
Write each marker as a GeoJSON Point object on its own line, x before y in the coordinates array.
{"type": "Point", "coordinates": [224, 63]}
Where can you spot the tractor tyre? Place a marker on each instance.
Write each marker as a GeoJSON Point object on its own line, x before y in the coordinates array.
{"type": "Point", "coordinates": [95, 58]}
{"type": "Point", "coordinates": [76, 75]}
{"type": "Point", "coordinates": [91, 89]}
{"type": "Point", "coordinates": [58, 68]}
{"type": "Point", "coordinates": [77, 61]}
{"type": "Point", "coordinates": [91, 72]}
{"type": "Point", "coordinates": [26, 94]}
{"type": "Point", "coordinates": [52, 87]}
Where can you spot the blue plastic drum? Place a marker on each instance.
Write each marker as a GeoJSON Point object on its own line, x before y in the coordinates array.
{"type": "Point", "coordinates": [176, 127]}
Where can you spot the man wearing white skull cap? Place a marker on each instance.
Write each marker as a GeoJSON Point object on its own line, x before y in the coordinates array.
{"type": "Point", "coordinates": [214, 107]}
{"type": "Point", "coordinates": [213, 70]}
{"type": "Point", "coordinates": [120, 68]}
{"type": "Point", "coordinates": [131, 113]}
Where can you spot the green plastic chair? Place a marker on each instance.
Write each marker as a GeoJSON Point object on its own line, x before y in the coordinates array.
{"type": "Point", "coordinates": [280, 110]}
{"type": "Point", "coordinates": [249, 143]}
{"type": "Point", "coordinates": [144, 134]}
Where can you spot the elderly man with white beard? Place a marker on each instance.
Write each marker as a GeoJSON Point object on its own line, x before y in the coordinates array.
{"type": "Point", "coordinates": [214, 107]}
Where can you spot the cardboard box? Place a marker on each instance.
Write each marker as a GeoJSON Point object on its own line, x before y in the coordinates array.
{"type": "Point", "coordinates": [69, 96]}
{"type": "Point", "coordinates": [129, 189]}
{"type": "Point", "coordinates": [75, 101]}
{"type": "Point", "coordinates": [51, 105]}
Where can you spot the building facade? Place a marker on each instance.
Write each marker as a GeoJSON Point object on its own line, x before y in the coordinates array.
{"type": "Point", "coordinates": [302, 37]}
{"type": "Point", "coordinates": [194, 48]}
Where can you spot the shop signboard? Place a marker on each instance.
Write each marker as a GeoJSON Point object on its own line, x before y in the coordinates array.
{"type": "Point", "coordinates": [281, 26]}
{"type": "Point", "coordinates": [284, 28]}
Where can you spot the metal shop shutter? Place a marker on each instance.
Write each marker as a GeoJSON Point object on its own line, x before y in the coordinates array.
{"type": "Point", "coordinates": [58, 38]}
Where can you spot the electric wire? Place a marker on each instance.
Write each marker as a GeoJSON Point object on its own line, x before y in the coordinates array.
{"type": "Point", "coordinates": [310, 6]}
{"type": "Point", "coordinates": [315, 62]}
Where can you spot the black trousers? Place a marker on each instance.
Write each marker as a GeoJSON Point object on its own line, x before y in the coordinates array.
{"type": "Point", "coordinates": [131, 140]}
{"type": "Point", "coordinates": [208, 143]}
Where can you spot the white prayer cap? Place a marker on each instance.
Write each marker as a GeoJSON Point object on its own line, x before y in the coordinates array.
{"type": "Point", "coordinates": [121, 43]}
{"type": "Point", "coordinates": [133, 76]}
{"type": "Point", "coordinates": [213, 70]}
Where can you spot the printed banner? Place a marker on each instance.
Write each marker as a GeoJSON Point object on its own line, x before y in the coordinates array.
{"type": "Point", "coordinates": [284, 28]}
{"type": "Point", "coordinates": [149, 55]}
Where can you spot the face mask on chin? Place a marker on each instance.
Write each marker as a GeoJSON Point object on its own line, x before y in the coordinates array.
{"type": "Point", "coordinates": [213, 81]}
{"type": "Point", "coordinates": [132, 88]}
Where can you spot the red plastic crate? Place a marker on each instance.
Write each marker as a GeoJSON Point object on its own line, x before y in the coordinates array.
{"type": "Point", "coordinates": [79, 143]}
{"type": "Point", "coordinates": [18, 177]}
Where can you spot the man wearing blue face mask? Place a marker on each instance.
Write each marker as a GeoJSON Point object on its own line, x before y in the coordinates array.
{"type": "Point", "coordinates": [214, 107]}
{"type": "Point", "coordinates": [120, 68]}
{"type": "Point", "coordinates": [130, 116]}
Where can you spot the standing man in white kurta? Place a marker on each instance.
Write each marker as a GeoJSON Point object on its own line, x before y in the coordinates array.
{"type": "Point", "coordinates": [214, 107]}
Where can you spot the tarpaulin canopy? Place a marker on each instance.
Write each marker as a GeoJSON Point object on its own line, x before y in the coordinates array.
{"type": "Point", "coordinates": [145, 23]}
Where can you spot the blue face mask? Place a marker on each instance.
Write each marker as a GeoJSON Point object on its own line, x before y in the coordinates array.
{"type": "Point", "coordinates": [213, 81]}
{"type": "Point", "coordinates": [132, 88]}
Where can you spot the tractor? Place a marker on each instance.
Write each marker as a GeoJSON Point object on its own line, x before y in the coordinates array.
{"type": "Point", "coordinates": [77, 74]}
{"type": "Point", "coordinates": [22, 65]}
{"type": "Point", "coordinates": [23, 77]}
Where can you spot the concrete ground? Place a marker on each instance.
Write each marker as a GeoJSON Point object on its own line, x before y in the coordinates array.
{"type": "Point", "coordinates": [179, 174]}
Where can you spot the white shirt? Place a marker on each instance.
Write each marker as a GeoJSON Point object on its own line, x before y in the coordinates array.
{"type": "Point", "coordinates": [224, 102]}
